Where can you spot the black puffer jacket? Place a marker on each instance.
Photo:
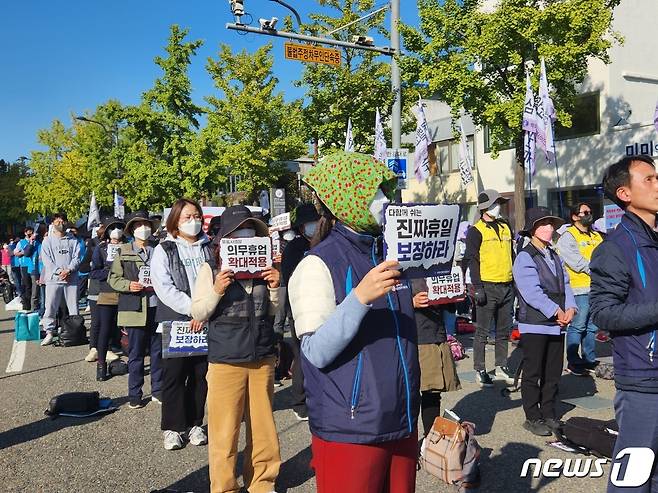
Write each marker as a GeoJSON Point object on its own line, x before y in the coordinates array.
{"type": "Point", "coordinates": [429, 321]}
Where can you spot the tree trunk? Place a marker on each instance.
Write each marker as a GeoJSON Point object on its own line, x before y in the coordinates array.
{"type": "Point", "coordinates": [519, 185]}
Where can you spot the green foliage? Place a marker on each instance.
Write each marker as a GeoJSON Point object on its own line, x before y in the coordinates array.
{"type": "Point", "coordinates": [355, 89]}
{"type": "Point", "coordinates": [12, 196]}
{"type": "Point", "coordinates": [473, 58]}
{"type": "Point", "coordinates": [251, 129]}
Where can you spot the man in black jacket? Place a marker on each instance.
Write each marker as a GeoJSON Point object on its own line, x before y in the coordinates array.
{"type": "Point", "coordinates": [624, 301]}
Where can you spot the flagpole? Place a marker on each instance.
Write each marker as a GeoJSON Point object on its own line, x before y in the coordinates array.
{"type": "Point", "coordinates": [557, 176]}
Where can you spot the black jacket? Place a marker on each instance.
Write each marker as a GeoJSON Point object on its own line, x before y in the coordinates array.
{"type": "Point", "coordinates": [292, 256]}
{"type": "Point", "coordinates": [429, 321]}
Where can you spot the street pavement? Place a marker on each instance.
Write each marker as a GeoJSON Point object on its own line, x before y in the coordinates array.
{"type": "Point", "coordinates": [122, 452]}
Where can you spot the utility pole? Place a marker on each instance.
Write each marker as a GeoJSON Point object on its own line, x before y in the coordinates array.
{"type": "Point", "coordinates": [396, 116]}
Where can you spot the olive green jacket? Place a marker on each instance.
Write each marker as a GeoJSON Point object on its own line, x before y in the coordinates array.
{"type": "Point", "coordinates": [118, 280]}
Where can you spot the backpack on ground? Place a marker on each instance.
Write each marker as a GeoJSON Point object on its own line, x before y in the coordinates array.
{"type": "Point", "coordinates": [451, 453]}
{"type": "Point", "coordinates": [79, 405]}
{"type": "Point", "coordinates": [73, 331]}
{"type": "Point", "coordinates": [117, 368]}
{"type": "Point", "coordinates": [589, 436]}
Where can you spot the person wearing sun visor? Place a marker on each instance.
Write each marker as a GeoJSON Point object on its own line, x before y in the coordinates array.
{"type": "Point", "coordinates": [489, 256]}
{"type": "Point", "coordinates": [358, 336]}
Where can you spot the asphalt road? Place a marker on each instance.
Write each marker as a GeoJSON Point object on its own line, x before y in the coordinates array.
{"type": "Point", "coordinates": [122, 452]}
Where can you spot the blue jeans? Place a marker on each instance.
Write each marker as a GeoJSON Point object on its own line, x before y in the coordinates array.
{"type": "Point", "coordinates": [450, 319]}
{"type": "Point", "coordinates": [636, 416]}
{"type": "Point", "coordinates": [581, 331]}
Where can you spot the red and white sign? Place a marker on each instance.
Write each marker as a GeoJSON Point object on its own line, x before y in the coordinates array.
{"type": "Point", "coordinates": [446, 288]}
{"type": "Point", "coordinates": [247, 257]}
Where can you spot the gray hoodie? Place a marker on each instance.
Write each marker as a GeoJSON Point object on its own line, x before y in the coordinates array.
{"type": "Point", "coordinates": [60, 254]}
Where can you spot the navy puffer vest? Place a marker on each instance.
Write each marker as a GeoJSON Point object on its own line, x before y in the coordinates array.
{"type": "Point", "coordinates": [370, 393]}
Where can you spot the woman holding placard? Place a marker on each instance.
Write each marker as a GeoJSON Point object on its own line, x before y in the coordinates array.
{"type": "Point", "coordinates": [108, 299]}
{"type": "Point", "coordinates": [241, 356]}
{"type": "Point", "coordinates": [355, 319]}
{"type": "Point", "coordinates": [174, 268]}
{"type": "Point", "coordinates": [130, 276]}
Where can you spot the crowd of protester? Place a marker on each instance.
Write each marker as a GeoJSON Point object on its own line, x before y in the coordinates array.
{"type": "Point", "coordinates": [370, 351]}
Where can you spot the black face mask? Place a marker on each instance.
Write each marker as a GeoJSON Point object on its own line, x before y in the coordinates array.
{"type": "Point", "coordinates": [587, 220]}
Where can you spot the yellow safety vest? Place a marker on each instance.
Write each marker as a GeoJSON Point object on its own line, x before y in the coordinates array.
{"type": "Point", "coordinates": [587, 242]}
{"type": "Point", "coordinates": [495, 252]}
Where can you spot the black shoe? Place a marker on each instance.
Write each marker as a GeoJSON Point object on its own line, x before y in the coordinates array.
{"type": "Point", "coordinates": [483, 379]}
{"type": "Point", "coordinates": [503, 373]}
{"type": "Point", "coordinates": [101, 372]}
{"type": "Point", "coordinates": [591, 365]}
{"type": "Point", "coordinates": [577, 370]}
{"type": "Point", "coordinates": [552, 423]}
{"type": "Point", "coordinates": [301, 414]}
{"type": "Point", "coordinates": [538, 427]}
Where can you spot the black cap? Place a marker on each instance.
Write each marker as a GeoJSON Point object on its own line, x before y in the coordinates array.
{"type": "Point", "coordinates": [536, 214]}
{"type": "Point", "coordinates": [304, 213]}
{"type": "Point", "coordinates": [138, 216]}
{"type": "Point", "coordinates": [237, 215]}
{"type": "Point", "coordinates": [112, 221]}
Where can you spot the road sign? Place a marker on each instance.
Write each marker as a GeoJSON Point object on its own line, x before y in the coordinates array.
{"type": "Point", "coordinates": [310, 53]}
{"type": "Point", "coordinates": [396, 160]}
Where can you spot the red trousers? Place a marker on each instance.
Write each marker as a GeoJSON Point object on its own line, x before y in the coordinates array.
{"type": "Point", "coordinates": [388, 467]}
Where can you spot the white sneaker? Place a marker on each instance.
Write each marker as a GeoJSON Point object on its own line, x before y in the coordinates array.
{"type": "Point", "coordinates": [48, 340]}
{"type": "Point", "coordinates": [197, 436]}
{"type": "Point", "coordinates": [503, 373]}
{"type": "Point", "coordinates": [172, 440]}
{"type": "Point", "coordinates": [92, 355]}
{"type": "Point", "coordinates": [155, 399]}
{"type": "Point", "coordinates": [111, 356]}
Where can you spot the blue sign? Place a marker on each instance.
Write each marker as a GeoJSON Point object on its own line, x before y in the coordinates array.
{"type": "Point", "coordinates": [397, 162]}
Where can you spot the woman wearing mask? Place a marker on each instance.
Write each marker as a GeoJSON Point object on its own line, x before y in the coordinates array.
{"type": "Point", "coordinates": [241, 354]}
{"type": "Point", "coordinates": [137, 305]}
{"type": "Point", "coordinates": [174, 268]}
{"type": "Point", "coordinates": [304, 220]}
{"type": "Point", "coordinates": [108, 299]}
{"type": "Point", "coordinates": [546, 306]}
{"type": "Point", "coordinates": [358, 336]}
{"type": "Point", "coordinates": [92, 297]}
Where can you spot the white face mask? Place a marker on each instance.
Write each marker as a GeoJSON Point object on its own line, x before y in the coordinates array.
{"type": "Point", "coordinates": [494, 211]}
{"type": "Point", "coordinates": [116, 234]}
{"type": "Point", "coordinates": [377, 206]}
{"type": "Point", "coordinates": [289, 235]}
{"type": "Point", "coordinates": [310, 229]}
{"type": "Point", "coordinates": [243, 233]}
{"type": "Point", "coordinates": [142, 232]}
{"type": "Point", "coordinates": [191, 227]}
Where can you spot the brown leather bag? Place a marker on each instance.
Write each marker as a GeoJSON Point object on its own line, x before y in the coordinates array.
{"type": "Point", "coordinates": [444, 452]}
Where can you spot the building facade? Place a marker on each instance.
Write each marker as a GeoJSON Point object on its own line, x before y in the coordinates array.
{"type": "Point", "coordinates": [613, 117]}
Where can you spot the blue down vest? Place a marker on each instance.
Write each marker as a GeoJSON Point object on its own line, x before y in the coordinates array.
{"type": "Point", "coordinates": [370, 393]}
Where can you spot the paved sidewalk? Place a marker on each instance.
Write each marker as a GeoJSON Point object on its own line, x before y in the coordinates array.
{"type": "Point", "coordinates": [122, 452]}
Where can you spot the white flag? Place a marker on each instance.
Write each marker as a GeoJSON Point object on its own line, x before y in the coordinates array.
{"type": "Point", "coordinates": [423, 140]}
{"type": "Point", "coordinates": [380, 140]}
{"type": "Point", "coordinates": [94, 216]}
{"type": "Point", "coordinates": [545, 113]}
{"type": "Point", "coordinates": [264, 199]}
{"type": "Point", "coordinates": [529, 127]}
{"type": "Point", "coordinates": [349, 140]}
{"type": "Point", "coordinates": [465, 163]}
{"type": "Point", "coordinates": [119, 209]}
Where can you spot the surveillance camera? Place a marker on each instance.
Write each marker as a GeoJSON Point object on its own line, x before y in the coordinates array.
{"type": "Point", "coordinates": [237, 7]}
{"type": "Point", "coordinates": [363, 40]}
{"type": "Point", "coordinates": [268, 25]}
